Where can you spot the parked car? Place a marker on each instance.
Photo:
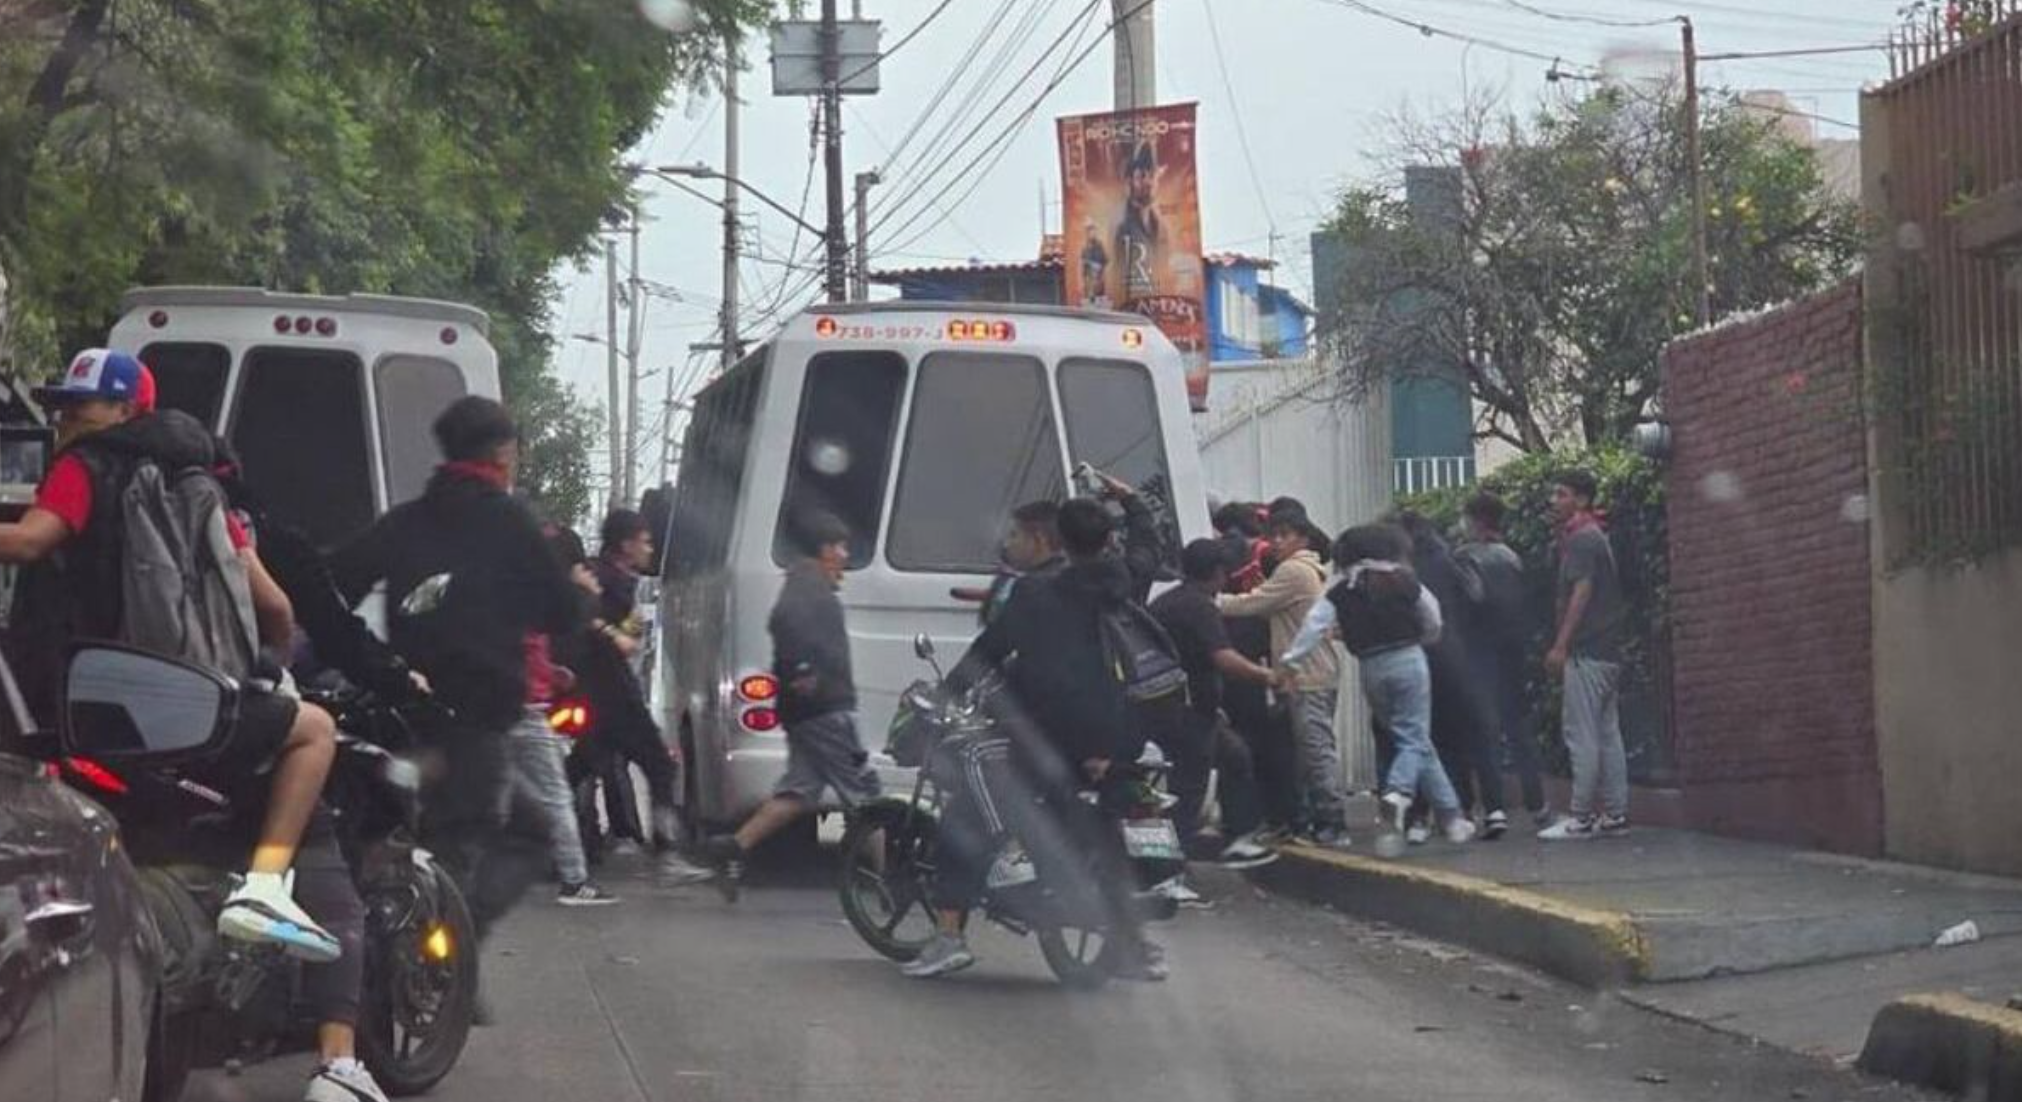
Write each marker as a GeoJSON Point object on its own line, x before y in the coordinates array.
{"type": "Point", "coordinates": [79, 959]}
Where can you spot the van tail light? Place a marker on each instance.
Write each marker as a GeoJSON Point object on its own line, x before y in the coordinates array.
{"type": "Point", "coordinates": [760, 719]}
{"type": "Point", "coordinates": [759, 688]}
{"type": "Point", "coordinates": [158, 319]}
{"type": "Point", "coordinates": [448, 334]}
{"type": "Point", "coordinates": [95, 775]}
{"type": "Point", "coordinates": [326, 327]}
{"type": "Point", "coordinates": [284, 324]}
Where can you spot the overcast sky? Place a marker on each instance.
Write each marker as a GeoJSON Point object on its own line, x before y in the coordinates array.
{"type": "Point", "coordinates": [1310, 81]}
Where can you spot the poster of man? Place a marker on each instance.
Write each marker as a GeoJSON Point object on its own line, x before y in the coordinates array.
{"type": "Point", "coordinates": [1133, 223]}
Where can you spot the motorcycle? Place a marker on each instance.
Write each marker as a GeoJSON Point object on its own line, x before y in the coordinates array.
{"type": "Point", "coordinates": [132, 722]}
{"type": "Point", "coordinates": [888, 848]}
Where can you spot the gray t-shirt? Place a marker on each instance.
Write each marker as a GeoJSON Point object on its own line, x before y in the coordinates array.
{"type": "Point", "coordinates": [1587, 557]}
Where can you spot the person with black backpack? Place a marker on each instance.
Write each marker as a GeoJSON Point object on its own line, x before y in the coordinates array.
{"type": "Point", "coordinates": [130, 540]}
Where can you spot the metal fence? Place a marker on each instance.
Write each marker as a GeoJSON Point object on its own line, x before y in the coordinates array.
{"type": "Point", "coordinates": [1423, 473]}
{"type": "Point", "coordinates": [1945, 189]}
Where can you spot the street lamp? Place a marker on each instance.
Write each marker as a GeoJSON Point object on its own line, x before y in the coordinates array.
{"type": "Point", "coordinates": [704, 172]}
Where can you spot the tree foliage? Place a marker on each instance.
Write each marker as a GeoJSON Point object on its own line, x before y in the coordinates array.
{"type": "Point", "coordinates": [454, 149]}
{"type": "Point", "coordinates": [1558, 262]}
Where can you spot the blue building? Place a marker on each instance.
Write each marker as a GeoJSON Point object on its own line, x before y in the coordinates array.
{"type": "Point", "coordinates": [1248, 317]}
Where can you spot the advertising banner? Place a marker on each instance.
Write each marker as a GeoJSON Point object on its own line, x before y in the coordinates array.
{"type": "Point", "coordinates": [1133, 224]}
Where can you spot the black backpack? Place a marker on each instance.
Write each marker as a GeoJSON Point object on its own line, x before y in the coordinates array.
{"type": "Point", "coordinates": [1141, 654]}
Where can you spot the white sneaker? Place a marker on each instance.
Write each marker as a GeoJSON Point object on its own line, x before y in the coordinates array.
{"type": "Point", "coordinates": [1180, 893]}
{"type": "Point", "coordinates": [674, 869]}
{"type": "Point", "coordinates": [944, 954]}
{"type": "Point", "coordinates": [1246, 853]}
{"type": "Point", "coordinates": [1396, 808]}
{"type": "Point", "coordinates": [1571, 829]}
{"type": "Point", "coordinates": [344, 1080]}
{"type": "Point", "coordinates": [1459, 829]}
{"type": "Point", "coordinates": [263, 911]}
{"type": "Point", "coordinates": [1418, 834]}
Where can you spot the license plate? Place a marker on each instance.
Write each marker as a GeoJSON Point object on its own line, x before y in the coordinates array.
{"type": "Point", "coordinates": [1156, 839]}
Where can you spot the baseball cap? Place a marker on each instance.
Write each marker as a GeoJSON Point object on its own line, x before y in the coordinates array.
{"type": "Point", "coordinates": [99, 373]}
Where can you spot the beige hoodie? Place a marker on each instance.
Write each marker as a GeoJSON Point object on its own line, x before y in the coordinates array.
{"type": "Point", "coordinates": [1286, 596]}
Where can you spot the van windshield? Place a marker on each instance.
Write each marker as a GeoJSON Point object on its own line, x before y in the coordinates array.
{"type": "Point", "coordinates": [981, 441]}
{"type": "Point", "coordinates": [299, 427]}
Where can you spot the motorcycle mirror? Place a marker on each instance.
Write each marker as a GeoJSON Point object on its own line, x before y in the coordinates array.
{"type": "Point", "coordinates": [923, 647]}
{"type": "Point", "coordinates": [124, 704]}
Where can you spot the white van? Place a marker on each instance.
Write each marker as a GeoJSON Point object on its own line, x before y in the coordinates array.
{"type": "Point", "coordinates": [327, 399]}
{"type": "Point", "coordinates": [922, 425]}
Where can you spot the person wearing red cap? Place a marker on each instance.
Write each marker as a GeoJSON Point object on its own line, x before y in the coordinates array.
{"type": "Point", "coordinates": [107, 428]}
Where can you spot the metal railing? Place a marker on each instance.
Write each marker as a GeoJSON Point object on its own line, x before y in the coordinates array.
{"type": "Point", "coordinates": [1420, 474]}
{"type": "Point", "coordinates": [1946, 381]}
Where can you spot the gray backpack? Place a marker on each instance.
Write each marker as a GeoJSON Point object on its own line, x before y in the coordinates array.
{"type": "Point", "coordinates": [185, 593]}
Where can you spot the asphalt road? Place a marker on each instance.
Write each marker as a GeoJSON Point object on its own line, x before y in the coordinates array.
{"type": "Point", "coordinates": [675, 996]}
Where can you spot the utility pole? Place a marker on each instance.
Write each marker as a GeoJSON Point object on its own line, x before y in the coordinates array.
{"type": "Point", "coordinates": [831, 115]}
{"type": "Point", "coordinates": [1702, 279]}
{"type": "Point", "coordinates": [860, 289]}
{"type": "Point", "coordinates": [615, 428]}
{"type": "Point", "coordinates": [728, 320]}
{"type": "Point", "coordinates": [1135, 53]}
{"type": "Point", "coordinates": [635, 319]}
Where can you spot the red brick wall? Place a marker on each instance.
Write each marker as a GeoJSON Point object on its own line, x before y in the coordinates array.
{"type": "Point", "coordinates": [1772, 626]}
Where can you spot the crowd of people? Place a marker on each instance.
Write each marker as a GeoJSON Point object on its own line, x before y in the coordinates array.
{"type": "Point", "coordinates": [1234, 674]}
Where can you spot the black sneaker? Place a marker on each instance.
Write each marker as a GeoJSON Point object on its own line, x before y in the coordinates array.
{"type": "Point", "coordinates": [723, 854]}
{"type": "Point", "coordinates": [1611, 826]}
{"type": "Point", "coordinates": [1495, 825]}
{"type": "Point", "coordinates": [585, 894]}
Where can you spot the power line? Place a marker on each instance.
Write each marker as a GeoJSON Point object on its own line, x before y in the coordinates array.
{"type": "Point", "coordinates": [1236, 109]}
{"type": "Point", "coordinates": [1597, 21]}
{"type": "Point", "coordinates": [1812, 51]}
{"type": "Point", "coordinates": [956, 72]}
{"type": "Point", "coordinates": [1431, 31]}
{"type": "Point", "coordinates": [901, 43]}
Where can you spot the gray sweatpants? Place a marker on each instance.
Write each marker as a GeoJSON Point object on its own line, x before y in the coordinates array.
{"type": "Point", "coordinates": [1320, 757]}
{"type": "Point", "coordinates": [537, 779]}
{"type": "Point", "coordinates": [1593, 729]}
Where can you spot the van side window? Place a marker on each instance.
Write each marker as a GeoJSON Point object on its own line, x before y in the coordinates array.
{"type": "Point", "coordinates": [412, 391]}
{"type": "Point", "coordinates": [1111, 409]}
{"type": "Point", "coordinates": [842, 451]}
{"type": "Point", "coordinates": [189, 376]}
{"type": "Point", "coordinates": [299, 427]}
{"type": "Point", "coordinates": [713, 459]}
{"type": "Point", "coordinates": [980, 442]}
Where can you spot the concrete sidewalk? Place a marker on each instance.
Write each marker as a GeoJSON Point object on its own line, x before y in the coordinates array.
{"type": "Point", "coordinates": [1813, 952]}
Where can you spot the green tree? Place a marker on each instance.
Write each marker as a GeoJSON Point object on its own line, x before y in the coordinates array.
{"type": "Point", "coordinates": [456, 149]}
{"type": "Point", "coordinates": [1558, 264]}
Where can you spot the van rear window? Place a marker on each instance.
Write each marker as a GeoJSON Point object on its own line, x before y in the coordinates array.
{"type": "Point", "coordinates": [412, 392]}
{"type": "Point", "coordinates": [980, 442]}
{"type": "Point", "coordinates": [300, 430]}
{"type": "Point", "coordinates": [189, 376]}
{"type": "Point", "coordinates": [842, 451]}
{"type": "Point", "coordinates": [1111, 410]}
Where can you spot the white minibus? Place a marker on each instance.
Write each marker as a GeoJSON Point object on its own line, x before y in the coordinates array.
{"type": "Point", "coordinates": [921, 425]}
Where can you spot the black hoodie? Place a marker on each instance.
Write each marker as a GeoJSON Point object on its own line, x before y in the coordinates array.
{"type": "Point", "coordinates": [1061, 681]}
{"type": "Point", "coordinates": [468, 576]}
{"type": "Point", "coordinates": [75, 594]}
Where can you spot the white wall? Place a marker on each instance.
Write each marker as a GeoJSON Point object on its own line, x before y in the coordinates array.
{"type": "Point", "coordinates": [1277, 427]}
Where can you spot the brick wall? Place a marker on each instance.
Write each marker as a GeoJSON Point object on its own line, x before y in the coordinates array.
{"type": "Point", "coordinates": [1771, 598]}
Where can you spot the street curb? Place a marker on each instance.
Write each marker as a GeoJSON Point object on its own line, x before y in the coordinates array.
{"type": "Point", "coordinates": [1949, 1042]}
{"type": "Point", "coordinates": [1587, 945]}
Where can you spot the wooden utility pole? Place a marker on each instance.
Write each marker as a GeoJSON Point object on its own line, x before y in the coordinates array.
{"type": "Point", "coordinates": [628, 497]}
{"type": "Point", "coordinates": [837, 267]}
{"type": "Point", "coordinates": [1136, 49]}
{"type": "Point", "coordinates": [1702, 278]}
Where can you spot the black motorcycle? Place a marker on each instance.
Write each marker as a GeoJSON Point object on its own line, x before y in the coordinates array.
{"type": "Point", "coordinates": [132, 722]}
{"type": "Point", "coordinates": [888, 850]}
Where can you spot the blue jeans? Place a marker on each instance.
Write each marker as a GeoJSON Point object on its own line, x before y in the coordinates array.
{"type": "Point", "coordinates": [1399, 686]}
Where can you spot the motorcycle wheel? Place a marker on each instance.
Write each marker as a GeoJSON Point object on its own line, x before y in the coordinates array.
{"type": "Point", "coordinates": [1076, 956]}
{"type": "Point", "coordinates": [887, 863]}
{"type": "Point", "coordinates": [418, 1007]}
{"type": "Point", "coordinates": [185, 940]}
